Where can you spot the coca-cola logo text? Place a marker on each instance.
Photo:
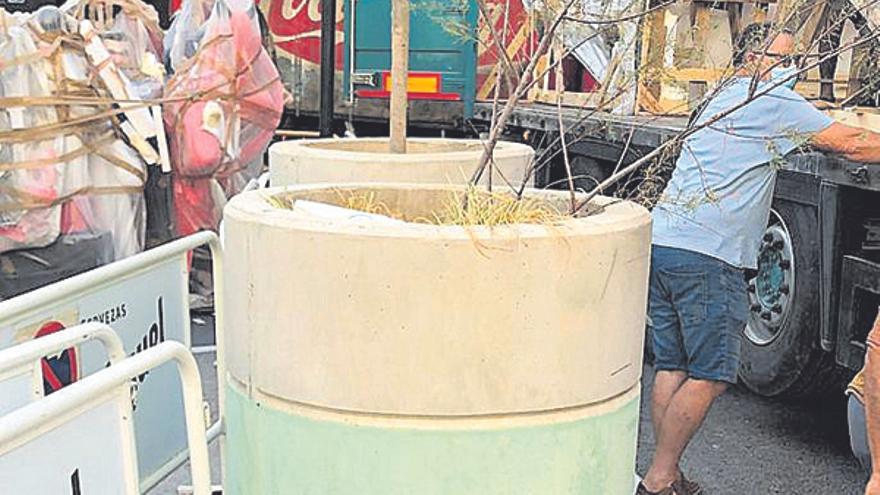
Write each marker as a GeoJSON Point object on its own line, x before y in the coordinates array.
{"type": "Point", "coordinates": [296, 27]}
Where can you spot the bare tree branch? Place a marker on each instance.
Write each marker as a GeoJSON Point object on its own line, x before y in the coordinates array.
{"type": "Point", "coordinates": [500, 43]}
{"type": "Point", "coordinates": [692, 128]}
{"type": "Point", "coordinates": [630, 17]}
{"type": "Point", "coordinates": [560, 88]}
{"type": "Point", "coordinates": [520, 91]}
{"type": "Point", "coordinates": [528, 79]}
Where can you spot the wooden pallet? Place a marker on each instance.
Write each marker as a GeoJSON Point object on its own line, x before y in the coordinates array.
{"type": "Point", "coordinates": [868, 117]}
{"type": "Point", "coordinates": [836, 79]}
{"type": "Point", "coordinates": [550, 88]}
{"type": "Point", "coordinates": [811, 89]}
{"type": "Point", "coordinates": [565, 98]}
{"type": "Point", "coordinates": [686, 50]}
{"type": "Point", "coordinates": [555, 93]}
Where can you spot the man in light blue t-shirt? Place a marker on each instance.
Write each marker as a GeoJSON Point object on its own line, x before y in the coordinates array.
{"type": "Point", "coordinates": [708, 228]}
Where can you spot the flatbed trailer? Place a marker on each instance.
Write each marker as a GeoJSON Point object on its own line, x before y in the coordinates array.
{"type": "Point", "coordinates": [648, 130]}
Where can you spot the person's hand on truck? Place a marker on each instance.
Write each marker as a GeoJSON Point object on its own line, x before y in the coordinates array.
{"type": "Point", "coordinates": [853, 143]}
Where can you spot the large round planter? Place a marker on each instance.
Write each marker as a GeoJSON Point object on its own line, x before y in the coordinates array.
{"type": "Point", "coordinates": [366, 160]}
{"type": "Point", "coordinates": [412, 358]}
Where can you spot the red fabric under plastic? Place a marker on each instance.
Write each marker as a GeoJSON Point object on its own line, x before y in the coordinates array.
{"type": "Point", "coordinates": [232, 70]}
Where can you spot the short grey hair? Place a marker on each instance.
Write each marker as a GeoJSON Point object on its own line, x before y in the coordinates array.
{"type": "Point", "coordinates": [754, 39]}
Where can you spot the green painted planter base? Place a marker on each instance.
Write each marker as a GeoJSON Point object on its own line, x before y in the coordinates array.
{"type": "Point", "coordinates": [270, 451]}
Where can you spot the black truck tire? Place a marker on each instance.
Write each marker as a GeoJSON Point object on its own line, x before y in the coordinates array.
{"type": "Point", "coordinates": [586, 171]}
{"type": "Point", "coordinates": [787, 360]}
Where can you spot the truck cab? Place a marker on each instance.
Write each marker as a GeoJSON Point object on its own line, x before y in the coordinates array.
{"type": "Point", "coordinates": [442, 60]}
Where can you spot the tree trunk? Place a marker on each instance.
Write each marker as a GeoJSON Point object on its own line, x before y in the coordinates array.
{"type": "Point", "coordinates": [399, 73]}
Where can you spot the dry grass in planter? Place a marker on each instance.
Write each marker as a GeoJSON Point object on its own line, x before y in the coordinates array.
{"type": "Point", "coordinates": [470, 207]}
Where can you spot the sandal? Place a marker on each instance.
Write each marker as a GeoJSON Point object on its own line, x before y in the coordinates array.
{"type": "Point", "coordinates": [641, 490]}
{"type": "Point", "coordinates": [684, 486]}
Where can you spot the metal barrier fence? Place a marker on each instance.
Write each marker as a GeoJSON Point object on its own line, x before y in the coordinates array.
{"type": "Point", "coordinates": [81, 438]}
{"type": "Point", "coordinates": [145, 300]}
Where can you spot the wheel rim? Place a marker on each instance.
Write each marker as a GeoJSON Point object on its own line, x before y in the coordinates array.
{"type": "Point", "coordinates": [771, 292]}
{"type": "Point", "coordinates": [589, 172]}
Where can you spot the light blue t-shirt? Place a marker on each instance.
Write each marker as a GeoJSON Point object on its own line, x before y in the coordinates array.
{"type": "Point", "coordinates": [717, 202]}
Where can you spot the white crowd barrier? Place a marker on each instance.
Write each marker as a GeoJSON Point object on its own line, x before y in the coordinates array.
{"type": "Point", "coordinates": [81, 439]}
{"type": "Point", "coordinates": [145, 300]}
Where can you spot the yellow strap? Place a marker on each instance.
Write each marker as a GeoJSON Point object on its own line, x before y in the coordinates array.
{"type": "Point", "coordinates": [27, 201]}
{"type": "Point", "coordinates": [66, 157]}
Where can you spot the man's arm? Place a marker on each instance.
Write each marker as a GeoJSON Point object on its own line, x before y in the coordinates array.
{"type": "Point", "coordinates": [854, 143]}
{"type": "Point", "coordinates": [872, 404]}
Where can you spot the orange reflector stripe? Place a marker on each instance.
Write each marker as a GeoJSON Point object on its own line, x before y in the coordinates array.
{"type": "Point", "coordinates": [417, 83]}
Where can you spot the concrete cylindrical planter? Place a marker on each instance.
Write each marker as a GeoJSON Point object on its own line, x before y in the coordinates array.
{"type": "Point", "coordinates": [413, 358]}
{"type": "Point", "coordinates": [365, 160]}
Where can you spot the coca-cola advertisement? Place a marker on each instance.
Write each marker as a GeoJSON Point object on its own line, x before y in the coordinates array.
{"type": "Point", "coordinates": [296, 28]}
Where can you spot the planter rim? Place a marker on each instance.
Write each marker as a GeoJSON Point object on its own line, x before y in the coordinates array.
{"type": "Point", "coordinates": [254, 206]}
{"type": "Point", "coordinates": [310, 147]}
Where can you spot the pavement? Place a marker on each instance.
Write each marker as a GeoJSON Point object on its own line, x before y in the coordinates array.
{"type": "Point", "coordinates": [181, 477]}
{"type": "Point", "coordinates": [751, 445]}
{"type": "Point", "coordinates": [202, 338]}
{"type": "Point", "coordinates": [748, 445]}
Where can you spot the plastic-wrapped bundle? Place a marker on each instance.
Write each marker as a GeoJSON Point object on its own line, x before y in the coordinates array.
{"type": "Point", "coordinates": [128, 49]}
{"type": "Point", "coordinates": [123, 213]}
{"type": "Point", "coordinates": [186, 32]}
{"type": "Point", "coordinates": [30, 175]}
{"type": "Point", "coordinates": [65, 168]}
{"type": "Point", "coordinates": [135, 42]}
{"type": "Point", "coordinates": [217, 141]}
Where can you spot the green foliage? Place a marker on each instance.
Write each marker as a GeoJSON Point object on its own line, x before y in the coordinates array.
{"type": "Point", "coordinates": [451, 15]}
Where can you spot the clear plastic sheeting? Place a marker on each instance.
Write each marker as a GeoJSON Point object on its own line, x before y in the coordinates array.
{"type": "Point", "coordinates": [217, 141]}
{"type": "Point", "coordinates": [130, 32]}
{"type": "Point", "coordinates": [138, 52]}
{"type": "Point", "coordinates": [73, 144]}
{"type": "Point", "coordinates": [186, 32]}
{"type": "Point", "coordinates": [12, 19]}
{"type": "Point", "coordinates": [31, 178]}
{"type": "Point", "coordinates": [604, 49]}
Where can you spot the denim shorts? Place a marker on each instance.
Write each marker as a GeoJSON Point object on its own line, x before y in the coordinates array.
{"type": "Point", "coordinates": [858, 433]}
{"type": "Point", "coordinates": [698, 307]}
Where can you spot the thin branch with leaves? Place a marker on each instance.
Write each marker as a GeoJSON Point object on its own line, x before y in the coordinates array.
{"type": "Point", "coordinates": [656, 161]}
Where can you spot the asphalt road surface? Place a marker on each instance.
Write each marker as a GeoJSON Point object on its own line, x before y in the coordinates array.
{"type": "Point", "coordinates": [748, 445]}
{"type": "Point", "coordinates": [755, 446]}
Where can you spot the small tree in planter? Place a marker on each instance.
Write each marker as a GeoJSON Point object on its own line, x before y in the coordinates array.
{"type": "Point", "coordinates": [399, 74]}
{"type": "Point", "coordinates": [438, 348]}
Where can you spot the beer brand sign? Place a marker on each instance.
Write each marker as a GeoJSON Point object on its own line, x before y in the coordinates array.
{"type": "Point", "coordinates": [296, 28]}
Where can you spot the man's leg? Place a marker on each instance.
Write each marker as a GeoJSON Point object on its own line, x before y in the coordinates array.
{"type": "Point", "coordinates": [670, 359]}
{"type": "Point", "coordinates": [666, 384]}
{"type": "Point", "coordinates": [711, 303]}
{"type": "Point", "coordinates": [683, 417]}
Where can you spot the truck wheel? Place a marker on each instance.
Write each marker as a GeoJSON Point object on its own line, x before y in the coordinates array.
{"type": "Point", "coordinates": [780, 348]}
{"type": "Point", "coordinates": [588, 172]}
